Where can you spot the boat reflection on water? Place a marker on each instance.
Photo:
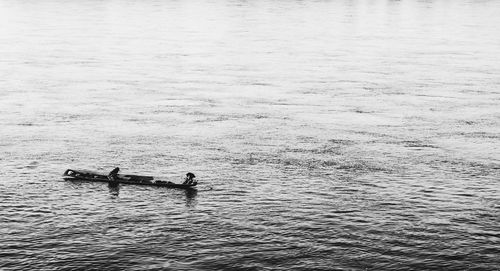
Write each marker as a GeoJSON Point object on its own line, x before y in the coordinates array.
{"type": "Point", "coordinates": [191, 197]}
{"type": "Point", "coordinates": [114, 189]}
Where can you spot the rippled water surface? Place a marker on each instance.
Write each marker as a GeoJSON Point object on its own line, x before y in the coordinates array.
{"type": "Point", "coordinates": [351, 135]}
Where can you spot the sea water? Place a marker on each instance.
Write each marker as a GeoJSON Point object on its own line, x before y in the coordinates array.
{"type": "Point", "coordinates": [349, 135]}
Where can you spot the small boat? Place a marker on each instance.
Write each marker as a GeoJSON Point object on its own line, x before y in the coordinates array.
{"type": "Point", "coordinates": [92, 176]}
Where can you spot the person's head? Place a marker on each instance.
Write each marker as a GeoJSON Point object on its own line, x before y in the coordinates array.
{"type": "Point", "coordinates": [190, 176]}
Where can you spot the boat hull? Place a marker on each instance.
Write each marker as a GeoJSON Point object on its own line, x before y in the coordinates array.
{"type": "Point", "coordinates": [91, 176]}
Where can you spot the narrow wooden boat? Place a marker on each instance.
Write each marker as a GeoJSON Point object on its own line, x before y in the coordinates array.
{"type": "Point", "coordinates": [92, 176]}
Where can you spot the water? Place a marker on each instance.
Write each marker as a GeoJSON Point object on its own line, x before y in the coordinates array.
{"type": "Point", "coordinates": [350, 135]}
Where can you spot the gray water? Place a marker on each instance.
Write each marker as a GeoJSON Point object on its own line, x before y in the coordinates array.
{"type": "Point", "coordinates": [350, 135]}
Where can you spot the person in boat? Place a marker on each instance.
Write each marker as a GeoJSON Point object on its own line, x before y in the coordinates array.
{"type": "Point", "coordinates": [113, 175]}
{"type": "Point", "coordinates": [189, 178]}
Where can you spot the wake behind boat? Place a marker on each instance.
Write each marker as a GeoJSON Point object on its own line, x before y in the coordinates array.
{"type": "Point", "coordinates": [92, 176]}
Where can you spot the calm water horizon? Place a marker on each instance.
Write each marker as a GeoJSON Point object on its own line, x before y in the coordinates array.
{"type": "Point", "coordinates": [326, 135]}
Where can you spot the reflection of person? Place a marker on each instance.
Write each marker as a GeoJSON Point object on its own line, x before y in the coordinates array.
{"type": "Point", "coordinates": [113, 175]}
{"type": "Point", "coordinates": [114, 188]}
{"type": "Point", "coordinates": [190, 179]}
{"type": "Point", "coordinates": [190, 197]}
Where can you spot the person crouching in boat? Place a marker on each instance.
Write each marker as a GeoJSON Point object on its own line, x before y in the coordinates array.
{"type": "Point", "coordinates": [113, 175]}
{"type": "Point", "coordinates": [190, 179]}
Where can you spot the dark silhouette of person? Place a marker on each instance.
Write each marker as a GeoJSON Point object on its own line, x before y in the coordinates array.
{"type": "Point", "coordinates": [189, 178]}
{"type": "Point", "coordinates": [113, 176]}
